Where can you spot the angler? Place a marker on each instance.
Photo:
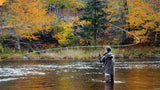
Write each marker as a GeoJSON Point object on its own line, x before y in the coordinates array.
{"type": "Point", "coordinates": [108, 60]}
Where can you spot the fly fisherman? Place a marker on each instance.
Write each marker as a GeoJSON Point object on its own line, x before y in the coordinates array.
{"type": "Point", "coordinates": [108, 61]}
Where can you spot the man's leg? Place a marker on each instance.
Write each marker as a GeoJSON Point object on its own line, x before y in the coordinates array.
{"type": "Point", "coordinates": [107, 78]}
{"type": "Point", "coordinates": [112, 78]}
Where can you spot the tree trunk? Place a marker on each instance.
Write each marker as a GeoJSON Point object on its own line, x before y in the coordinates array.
{"type": "Point", "coordinates": [60, 13]}
{"type": "Point", "coordinates": [125, 12]}
{"type": "Point", "coordinates": [68, 12]}
{"type": "Point", "coordinates": [95, 38]}
{"type": "Point", "coordinates": [30, 49]}
{"type": "Point", "coordinates": [18, 43]}
{"type": "Point", "coordinates": [2, 27]}
{"type": "Point", "coordinates": [155, 37]}
{"type": "Point", "coordinates": [123, 16]}
{"type": "Point", "coordinates": [56, 12]}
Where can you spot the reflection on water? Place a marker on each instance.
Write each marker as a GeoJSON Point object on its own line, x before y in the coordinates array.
{"type": "Point", "coordinates": [109, 86]}
{"type": "Point", "coordinates": [78, 75]}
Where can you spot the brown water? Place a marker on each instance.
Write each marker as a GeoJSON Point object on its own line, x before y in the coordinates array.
{"type": "Point", "coordinates": [78, 75]}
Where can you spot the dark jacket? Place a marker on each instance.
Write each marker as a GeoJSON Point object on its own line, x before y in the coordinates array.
{"type": "Point", "coordinates": [108, 61]}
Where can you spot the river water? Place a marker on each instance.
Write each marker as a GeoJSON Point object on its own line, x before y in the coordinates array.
{"type": "Point", "coordinates": [78, 75]}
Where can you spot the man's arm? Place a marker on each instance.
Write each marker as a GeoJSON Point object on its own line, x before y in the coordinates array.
{"type": "Point", "coordinates": [101, 59]}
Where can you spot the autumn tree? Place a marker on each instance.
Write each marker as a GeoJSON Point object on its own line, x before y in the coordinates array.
{"type": "Point", "coordinates": [156, 6]}
{"type": "Point", "coordinates": [2, 1]}
{"type": "Point", "coordinates": [77, 26]}
{"type": "Point", "coordinates": [63, 29]}
{"type": "Point", "coordinates": [116, 13]}
{"type": "Point", "coordinates": [64, 33]}
{"type": "Point", "coordinates": [2, 18]}
{"type": "Point", "coordinates": [29, 17]}
{"type": "Point", "coordinates": [94, 13]}
{"type": "Point", "coordinates": [116, 10]}
{"type": "Point", "coordinates": [142, 19]}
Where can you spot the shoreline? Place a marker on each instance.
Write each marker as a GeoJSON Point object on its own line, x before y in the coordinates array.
{"type": "Point", "coordinates": [21, 58]}
{"type": "Point", "coordinates": [84, 54]}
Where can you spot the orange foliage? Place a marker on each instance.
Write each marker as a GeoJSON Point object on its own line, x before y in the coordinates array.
{"type": "Point", "coordinates": [142, 19]}
{"type": "Point", "coordinates": [2, 1]}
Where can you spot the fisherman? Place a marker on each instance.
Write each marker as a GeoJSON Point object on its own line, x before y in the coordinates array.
{"type": "Point", "coordinates": [108, 61]}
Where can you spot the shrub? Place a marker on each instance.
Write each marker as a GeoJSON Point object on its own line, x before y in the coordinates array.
{"type": "Point", "coordinates": [5, 56]}
{"type": "Point", "coordinates": [155, 51]}
{"type": "Point", "coordinates": [1, 49]}
{"type": "Point", "coordinates": [64, 43]}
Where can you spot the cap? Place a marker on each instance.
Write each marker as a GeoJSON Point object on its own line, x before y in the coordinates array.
{"type": "Point", "coordinates": [108, 48]}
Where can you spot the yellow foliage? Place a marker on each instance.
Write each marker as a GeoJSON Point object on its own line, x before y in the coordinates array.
{"type": "Point", "coordinates": [29, 17]}
{"type": "Point", "coordinates": [76, 4]}
{"type": "Point", "coordinates": [78, 22]}
{"type": "Point", "coordinates": [142, 13]}
{"type": "Point", "coordinates": [2, 1]}
{"type": "Point", "coordinates": [114, 9]}
{"type": "Point", "coordinates": [65, 33]}
{"type": "Point", "coordinates": [141, 35]}
{"type": "Point", "coordinates": [65, 29]}
{"type": "Point", "coordinates": [142, 19]}
{"type": "Point", "coordinates": [158, 29]}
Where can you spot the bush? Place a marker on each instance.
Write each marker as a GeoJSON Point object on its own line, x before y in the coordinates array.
{"type": "Point", "coordinates": [115, 41]}
{"type": "Point", "coordinates": [6, 50]}
{"type": "Point", "coordinates": [155, 51]}
{"type": "Point", "coordinates": [1, 49]}
{"type": "Point", "coordinates": [64, 43]}
{"type": "Point", "coordinates": [74, 41]}
{"type": "Point", "coordinates": [5, 56]}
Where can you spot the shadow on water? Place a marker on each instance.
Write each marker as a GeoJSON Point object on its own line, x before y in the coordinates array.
{"type": "Point", "coordinates": [78, 75]}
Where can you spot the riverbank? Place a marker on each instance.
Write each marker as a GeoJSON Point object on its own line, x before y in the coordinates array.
{"type": "Point", "coordinates": [87, 54]}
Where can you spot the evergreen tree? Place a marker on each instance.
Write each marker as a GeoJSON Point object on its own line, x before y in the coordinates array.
{"type": "Point", "coordinates": [94, 13]}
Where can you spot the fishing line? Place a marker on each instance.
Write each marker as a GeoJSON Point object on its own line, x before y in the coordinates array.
{"type": "Point", "coordinates": [74, 47]}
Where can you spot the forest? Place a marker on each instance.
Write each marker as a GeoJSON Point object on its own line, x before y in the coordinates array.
{"type": "Point", "coordinates": [42, 24]}
{"type": "Point", "coordinates": [79, 44]}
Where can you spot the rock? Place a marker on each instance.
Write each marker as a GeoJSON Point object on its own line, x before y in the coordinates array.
{"type": "Point", "coordinates": [25, 58]}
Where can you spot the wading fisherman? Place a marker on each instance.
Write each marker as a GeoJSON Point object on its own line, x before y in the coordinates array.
{"type": "Point", "coordinates": [108, 61]}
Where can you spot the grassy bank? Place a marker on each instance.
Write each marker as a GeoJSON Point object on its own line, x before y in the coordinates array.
{"type": "Point", "coordinates": [87, 53]}
{"type": "Point", "coordinates": [8, 52]}
{"type": "Point", "coordinates": [79, 54]}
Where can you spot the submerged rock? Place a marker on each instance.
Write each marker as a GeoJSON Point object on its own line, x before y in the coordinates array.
{"type": "Point", "coordinates": [25, 58]}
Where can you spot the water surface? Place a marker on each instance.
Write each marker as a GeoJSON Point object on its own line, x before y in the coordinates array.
{"type": "Point", "coordinates": [78, 75]}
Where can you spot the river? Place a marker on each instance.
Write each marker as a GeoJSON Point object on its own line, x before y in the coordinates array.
{"type": "Point", "coordinates": [78, 75]}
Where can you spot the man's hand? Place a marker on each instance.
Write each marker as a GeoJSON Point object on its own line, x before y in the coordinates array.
{"type": "Point", "coordinates": [99, 54]}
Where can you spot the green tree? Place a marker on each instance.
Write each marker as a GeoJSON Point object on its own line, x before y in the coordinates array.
{"type": "Point", "coordinates": [94, 13]}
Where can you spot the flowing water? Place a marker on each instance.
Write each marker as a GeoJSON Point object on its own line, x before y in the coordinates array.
{"type": "Point", "coordinates": [78, 75]}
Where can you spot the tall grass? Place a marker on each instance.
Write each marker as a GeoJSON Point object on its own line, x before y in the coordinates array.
{"type": "Point", "coordinates": [83, 53]}
{"type": "Point", "coordinates": [93, 53]}
{"type": "Point", "coordinates": [10, 52]}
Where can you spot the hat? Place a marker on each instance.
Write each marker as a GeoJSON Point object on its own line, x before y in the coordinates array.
{"type": "Point", "coordinates": [108, 48]}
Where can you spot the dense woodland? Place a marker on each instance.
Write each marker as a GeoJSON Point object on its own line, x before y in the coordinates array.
{"type": "Point", "coordinates": [41, 24]}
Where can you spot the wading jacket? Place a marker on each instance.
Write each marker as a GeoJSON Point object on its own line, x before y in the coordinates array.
{"type": "Point", "coordinates": [108, 61]}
